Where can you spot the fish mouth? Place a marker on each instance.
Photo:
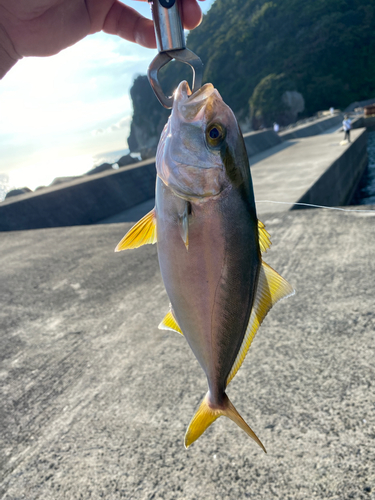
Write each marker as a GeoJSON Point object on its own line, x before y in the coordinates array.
{"type": "Point", "coordinates": [184, 93]}
{"type": "Point", "coordinates": [189, 104]}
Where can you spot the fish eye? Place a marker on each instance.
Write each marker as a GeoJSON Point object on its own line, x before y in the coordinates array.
{"type": "Point", "coordinates": [215, 134]}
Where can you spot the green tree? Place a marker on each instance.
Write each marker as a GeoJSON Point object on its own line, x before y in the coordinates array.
{"type": "Point", "coordinates": [267, 104]}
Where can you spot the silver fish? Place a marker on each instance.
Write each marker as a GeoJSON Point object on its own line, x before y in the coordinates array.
{"type": "Point", "coordinates": [209, 245]}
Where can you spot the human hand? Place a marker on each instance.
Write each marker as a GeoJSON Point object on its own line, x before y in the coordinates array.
{"type": "Point", "coordinates": [45, 27]}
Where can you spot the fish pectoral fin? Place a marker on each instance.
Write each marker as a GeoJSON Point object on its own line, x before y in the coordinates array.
{"type": "Point", "coordinates": [207, 414]}
{"type": "Point", "coordinates": [183, 225]}
{"type": "Point", "coordinates": [270, 289]}
{"type": "Point", "coordinates": [170, 323]}
{"type": "Point", "coordinates": [264, 237]}
{"type": "Point", "coordinates": [142, 233]}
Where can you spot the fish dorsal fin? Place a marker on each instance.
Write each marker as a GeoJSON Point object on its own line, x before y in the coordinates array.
{"type": "Point", "coordinates": [271, 288]}
{"type": "Point", "coordinates": [264, 237]}
{"type": "Point", "coordinates": [143, 233]}
{"type": "Point", "coordinates": [170, 323]}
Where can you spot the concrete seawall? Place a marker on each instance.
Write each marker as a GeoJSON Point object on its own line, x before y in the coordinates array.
{"type": "Point", "coordinates": [365, 121]}
{"type": "Point", "coordinates": [256, 142]}
{"type": "Point", "coordinates": [314, 128]}
{"type": "Point", "coordinates": [101, 196]}
{"type": "Point", "coordinates": [338, 183]}
{"type": "Point", "coordinates": [80, 202]}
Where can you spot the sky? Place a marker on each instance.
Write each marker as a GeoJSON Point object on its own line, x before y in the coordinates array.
{"type": "Point", "coordinates": [62, 115]}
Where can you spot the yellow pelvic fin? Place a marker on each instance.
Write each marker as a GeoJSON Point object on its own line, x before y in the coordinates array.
{"type": "Point", "coordinates": [207, 414]}
{"type": "Point", "coordinates": [143, 233]}
{"type": "Point", "coordinates": [170, 323]}
{"type": "Point", "coordinates": [264, 237]}
{"type": "Point", "coordinates": [270, 289]}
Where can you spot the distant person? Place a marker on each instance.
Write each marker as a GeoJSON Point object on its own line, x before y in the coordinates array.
{"type": "Point", "coordinates": [332, 111]}
{"type": "Point", "coordinates": [347, 125]}
{"type": "Point", "coordinates": [276, 127]}
{"type": "Point", "coordinates": [35, 28]}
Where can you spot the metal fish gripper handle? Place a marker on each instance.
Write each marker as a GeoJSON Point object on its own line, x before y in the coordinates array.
{"type": "Point", "coordinates": [170, 39]}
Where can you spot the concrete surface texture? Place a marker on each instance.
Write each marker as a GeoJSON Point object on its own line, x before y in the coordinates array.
{"type": "Point", "coordinates": [96, 400]}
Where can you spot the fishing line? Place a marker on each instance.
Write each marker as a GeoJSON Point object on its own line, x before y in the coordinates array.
{"type": "Point", "coordinates": [315, 206]}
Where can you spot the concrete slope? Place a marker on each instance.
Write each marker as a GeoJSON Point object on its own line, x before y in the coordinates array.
{"type": "Point", "coordinates": [95, 400]}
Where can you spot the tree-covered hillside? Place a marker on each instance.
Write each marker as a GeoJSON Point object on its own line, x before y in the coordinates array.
{"type": "Point", "coordinates": [325, 48]}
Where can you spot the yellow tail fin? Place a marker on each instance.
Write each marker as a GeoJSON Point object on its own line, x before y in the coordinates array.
{"type": "Point", "coordinates": [207, 414]}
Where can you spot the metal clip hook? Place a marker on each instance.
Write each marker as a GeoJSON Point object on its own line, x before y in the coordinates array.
{"type": "Point", "coordinates": [185, 56]}
{"type": "Point", "coordinates": [171, 45]}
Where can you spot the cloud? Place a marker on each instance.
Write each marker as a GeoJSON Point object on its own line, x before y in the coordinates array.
{"type": "Point", "coordinates": [98, 131]}
{"type": "Point", "coordinates": [121, 124]}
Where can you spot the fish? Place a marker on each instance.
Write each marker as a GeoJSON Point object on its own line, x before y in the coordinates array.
{"type": "Point", "coordinates": [210, 245]}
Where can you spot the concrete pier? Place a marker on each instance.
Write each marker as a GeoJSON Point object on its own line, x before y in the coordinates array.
{"type": "Point", "coordinates": [95, 400]}
{"type": "Point", "coordinates": [319, 170]}
{"type": "Point", "coordinates": [315, 170]}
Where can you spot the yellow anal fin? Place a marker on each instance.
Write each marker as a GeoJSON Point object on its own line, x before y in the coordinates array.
{"type": "Point", "coordinates": [207, 414]}
{"type": "Point", "coordinates": [142, 233]}
{"type": "Point", "coordinates": [170, 323]}
{"type": "Point", "coordinates": [264, 237]}
{"type": "Point", "coordinates": [270, 289]}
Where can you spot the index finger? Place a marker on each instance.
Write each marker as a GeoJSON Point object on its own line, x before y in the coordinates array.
{"type": "Point", "coordinates": [129, 24]}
